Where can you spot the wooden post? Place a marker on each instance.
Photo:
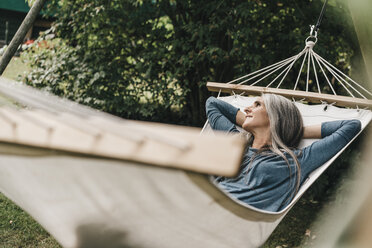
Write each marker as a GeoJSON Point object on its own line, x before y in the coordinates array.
{"type": "Point", "coordinates": [20, 35]}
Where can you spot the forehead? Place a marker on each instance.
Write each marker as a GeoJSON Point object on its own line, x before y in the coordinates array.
{"type": "Point", "coordinates": [258, 99]}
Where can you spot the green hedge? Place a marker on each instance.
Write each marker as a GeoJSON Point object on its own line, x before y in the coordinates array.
{"type": "Point", "coordinates": [150, 60]}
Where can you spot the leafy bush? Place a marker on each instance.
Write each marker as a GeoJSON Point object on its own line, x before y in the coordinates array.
{"type": "Point", "coordinates": [58, 68]}
{"type": "Point", "coordinates": [151, 59]}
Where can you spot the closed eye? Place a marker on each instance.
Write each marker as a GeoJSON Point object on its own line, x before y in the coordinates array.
{"type": "Point", "coordinates": [257, 103]}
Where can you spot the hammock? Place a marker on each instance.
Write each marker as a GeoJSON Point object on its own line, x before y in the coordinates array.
{"type": "Point", "coordinates": [87, 178]}
{"type": "Point", "coordinates": [94, 201]}
{"type": "Point", "coordinates": [86, 194]}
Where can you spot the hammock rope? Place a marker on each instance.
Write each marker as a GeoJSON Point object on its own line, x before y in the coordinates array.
{"type": "Point", "coordinates": [313, 63]}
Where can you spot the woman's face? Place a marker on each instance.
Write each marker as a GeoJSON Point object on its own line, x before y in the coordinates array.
{"type": "Point", "coordinates": [256, 116]}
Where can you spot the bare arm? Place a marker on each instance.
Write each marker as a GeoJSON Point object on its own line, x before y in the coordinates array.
{"type": "Point", "coordinates": [240, 118]}
{"type": "Point", "coordinates": [313, 132]}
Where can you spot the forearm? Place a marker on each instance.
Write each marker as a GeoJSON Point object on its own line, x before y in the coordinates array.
{"type": "Point", "coordinates": [240, 118]}
{"type": "Point", "coordinates": [318, 131]}
{"type": "Point", "coordinates": [313, 132]}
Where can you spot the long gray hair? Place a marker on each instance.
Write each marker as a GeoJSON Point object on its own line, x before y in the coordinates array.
{"type": "Point", "coordinates": [286, 127]}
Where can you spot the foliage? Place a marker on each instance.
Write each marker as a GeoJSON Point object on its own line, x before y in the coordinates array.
{"type": "Point", "coordinates": [18, 229]}
{"type": "Point", "coordinates": [151, 59]}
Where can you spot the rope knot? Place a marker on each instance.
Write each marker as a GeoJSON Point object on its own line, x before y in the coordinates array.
{"type": "Point", "coordinates": [310, 44]}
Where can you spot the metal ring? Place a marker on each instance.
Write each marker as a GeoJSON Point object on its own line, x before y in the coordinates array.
{"type": "Point", "coordinates": [311, 36]}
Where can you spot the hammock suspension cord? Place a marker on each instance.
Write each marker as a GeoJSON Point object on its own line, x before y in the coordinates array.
{"type": "Point", "coordinates": [314, 64]}
{"type": "Point", "coordinates": [314, 29]}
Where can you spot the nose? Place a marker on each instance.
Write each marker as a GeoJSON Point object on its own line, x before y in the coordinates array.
{"type": "Point", "coordinates": [248, 109]}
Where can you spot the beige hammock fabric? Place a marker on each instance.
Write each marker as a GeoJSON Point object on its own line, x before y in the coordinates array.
{"type": "Point", "coordinates": [94, 201]}
{"type": "Point", "coordinates": [53, 123]}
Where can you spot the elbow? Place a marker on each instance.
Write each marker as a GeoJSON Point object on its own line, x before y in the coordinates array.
{"type": "Point", "coordinates": [356, 124]}
{"type": "Point", "coordinates": [210, 100]}
{"type": "Point", "coordinates": [210, 103]}
{"type": "Point", "coordinates": [353, 127]}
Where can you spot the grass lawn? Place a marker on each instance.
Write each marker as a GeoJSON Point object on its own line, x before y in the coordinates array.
{"type": "Point", "coordinates": [15, 68]}
{"type": "Point", "coordinates": [18, 229]}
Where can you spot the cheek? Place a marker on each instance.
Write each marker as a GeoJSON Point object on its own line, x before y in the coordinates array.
{"type": "Point", "coordinates": [246, 124]}
{"type": "Point", "coordinates": [265, 119]}
{"type": "Point", "coordinates": [262, 119]}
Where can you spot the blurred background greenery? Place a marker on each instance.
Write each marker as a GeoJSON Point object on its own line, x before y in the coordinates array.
{"type": "Point", "coordinates": [150, 60]}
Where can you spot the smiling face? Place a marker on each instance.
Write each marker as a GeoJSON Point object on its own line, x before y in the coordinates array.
{"type": "Point", "coordinates": [256, 117]}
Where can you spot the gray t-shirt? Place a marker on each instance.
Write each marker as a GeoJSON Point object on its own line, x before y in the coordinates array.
{"type": "Point", "coordinates": [265, 179]}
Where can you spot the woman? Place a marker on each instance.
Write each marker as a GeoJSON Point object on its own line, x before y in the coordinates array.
{"type": "Point", "coordinates": [273, 168]}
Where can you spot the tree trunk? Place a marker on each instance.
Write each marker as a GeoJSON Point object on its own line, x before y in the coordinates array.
{"type": "Point", "coordinates": [20, 35]}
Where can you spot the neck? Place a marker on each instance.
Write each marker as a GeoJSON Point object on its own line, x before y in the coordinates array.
{"type": "Point", "coordinates": [261, 138]}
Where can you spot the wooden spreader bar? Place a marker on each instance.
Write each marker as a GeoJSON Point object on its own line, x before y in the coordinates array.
{"type": "Point", "coordinates": [343, 101]}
